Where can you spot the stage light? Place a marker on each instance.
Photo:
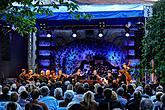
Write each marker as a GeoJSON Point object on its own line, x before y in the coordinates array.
{"type": "Point", "coordinates": [101, 34]}
{"type": "Point", "coordinates": [48, 35]}
{"type": "Point", "coordinates": [127, 30]}
{"type": "Point", "coordinates": [127, 35]}
{"type": "Point", "coordinates": [74, 33]}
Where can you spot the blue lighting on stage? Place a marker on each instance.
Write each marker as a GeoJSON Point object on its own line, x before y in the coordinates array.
{"type": "Point", "coordinates": [44, 52]}
{"type": "Point", "coordinates": [45, 62]}
{"type": "Point", "coordinates": [44, 43]}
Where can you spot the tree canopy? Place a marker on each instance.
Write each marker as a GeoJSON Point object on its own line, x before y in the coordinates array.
{"type": "Point", "coordinates": [153, 44]}
{"type": "Point", "coordinates": [21, 14]}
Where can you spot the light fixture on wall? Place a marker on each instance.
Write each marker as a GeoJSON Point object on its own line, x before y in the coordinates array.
{"type": "Point", "coordinates": [127, 30]}
{"type": "Point", "coordinates": [74, 33]}
{"type": "Point", "coordinates": [49, 34]}
{"type": "Point", "coordinates": [100, 33]}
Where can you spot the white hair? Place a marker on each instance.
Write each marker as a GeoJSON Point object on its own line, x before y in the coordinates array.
{"type": "Point", "coordinates": [58, 92]}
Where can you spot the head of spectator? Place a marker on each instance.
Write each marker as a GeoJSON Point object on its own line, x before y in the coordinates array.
{"type": "Point", "coordinates": [78, 84]}
{"type": "Point", "coordinates": [100, 90]}
{"type": "Point", "coordinates": [137, 96]}
{"type": "Point", "coordinates": [162, 98]}
{"type": "Point", "coordinates": [21, 89]}
{"type": "Point", "coordinates": [70, 87]}
{"type": "Point", "coordinates": [114, 96]}
{"type": "Point", "coordinates": [14, 87]}
{"type": "Point", "coordinates": [146, 104]}
{"type": "Point", "coordinates": [158, 95]}
{"type": "Point", "coordinates": [120, 91]}
{"type": "Point", "coordinates": [24, 95]}
{"type": "Point", "coordinates": [58, 84]}
{"type": "Point", "coordinates": [139, 88]}
{"type": "Point", "coordinates": [66, 83]}
{"type": "Point", "coordinates": [11, 106]}
{"type": "Point", "coordinates": [148, 90]}
{"type": "Point", "coordinates": [96, 86]}
{"type": "Point", "coordinates": [130, 89]}
{"type": "Point", "coordinates": [159, 89]}
{"type": "Point", "coordinates": [68, 95]}
{"type": "Point", "coordinates": [88, 98]}
{"type": "Point", "coordinates": [5, 90]}
{"type": "Point", "coordinates": [86, 86]}
{"type": "Point", "coordinates": [58, 93]}
{"type": "Point", "coordinates": [80, 90]}
{"type": "Point", "coordinates": [107, 93]}
{"type": "Point", "coordinates": [14, 97]}
{"type": "Point", "coordinates": [35, 94]}
{"type": "Point", "coordinates": [44, 90]}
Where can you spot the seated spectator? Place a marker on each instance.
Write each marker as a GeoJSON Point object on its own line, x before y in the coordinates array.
{"type": "Point", "coordinates": [14, 98]}
{"type": "Point", "coordinates": [11, 106]}
{"type": "Point", "coordinates": [134, 104]}
{"type": "Point", "coordinates": [5, 96]}
{"type": "Point", "coordinates": [107, 103]}
{"type": "Point", "coordinates": [162, 98]}
{"type": "Point", "coordinates": [68, 96]}
{"type": "Point", "coordinates": [58, 94]}
{"type": "Point", "coordinates": [88, 101]}
{"type": "Point", "coordinates": [79, 95]}
{"type": "Point", "coordinates": [120, 93]}
{"type": "Point", "coordinates": [148, 90]}
{"type": "Point", "coordinates": [34, 104]}
{"type": "Point", "coordinates": [146, 104]}
{"type": "Point", "coordinates": [158, 89]}
{"type": "Point", "coordinates": [99, 94]}
{"type": "Point", "coordinates": [50, 101]}
{"type": "Point", "coordinates": [23, 99]}
{"type": "Point", "coordinates": [158, 102]}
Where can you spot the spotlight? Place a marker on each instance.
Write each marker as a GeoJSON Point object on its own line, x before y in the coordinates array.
{"type": "Point", "coordinates": [74, 33]}
{"type": "Point", "coordinates": [127, 30]}
{"type": "Point", "coordinates": [127, 34]}
{"type": "Point", "coordinates": [101, 34]}
{"type": "Point", "coordinates": [48, 35]}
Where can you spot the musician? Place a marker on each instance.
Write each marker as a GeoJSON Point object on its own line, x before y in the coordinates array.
{"type": "Point", "coordinates": [125, 71]}
{"type": "Point", "coordinates": [60, 77]}
{"type": "Point", "coordinates": [109, 76]}
{"type": "Point", "coordinates": [77, 76]}
{"type": "Point", "coordinates": [94, 75]}
{"type": "Point", "coordinates": [23, 76]}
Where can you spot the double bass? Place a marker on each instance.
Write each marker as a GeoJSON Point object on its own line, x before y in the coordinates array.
{"type": "Point", "coordinates": [125, 71]}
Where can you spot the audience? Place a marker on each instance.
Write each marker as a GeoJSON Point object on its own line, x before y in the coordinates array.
{"type": "Point", "coordinates": [81, 96]}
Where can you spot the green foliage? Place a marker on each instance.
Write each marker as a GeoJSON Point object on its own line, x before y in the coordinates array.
{"type": "Point", "coordinates": [153, 44]}
{"type": "Point", "coordinates": [23, 17]}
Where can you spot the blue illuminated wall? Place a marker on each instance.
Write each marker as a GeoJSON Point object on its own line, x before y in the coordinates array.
{"type": "Point", "coordinates": [77, 51]}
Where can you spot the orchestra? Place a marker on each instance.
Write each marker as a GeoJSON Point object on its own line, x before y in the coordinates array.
{"type": "Point", "coordinates": [78, 76]}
